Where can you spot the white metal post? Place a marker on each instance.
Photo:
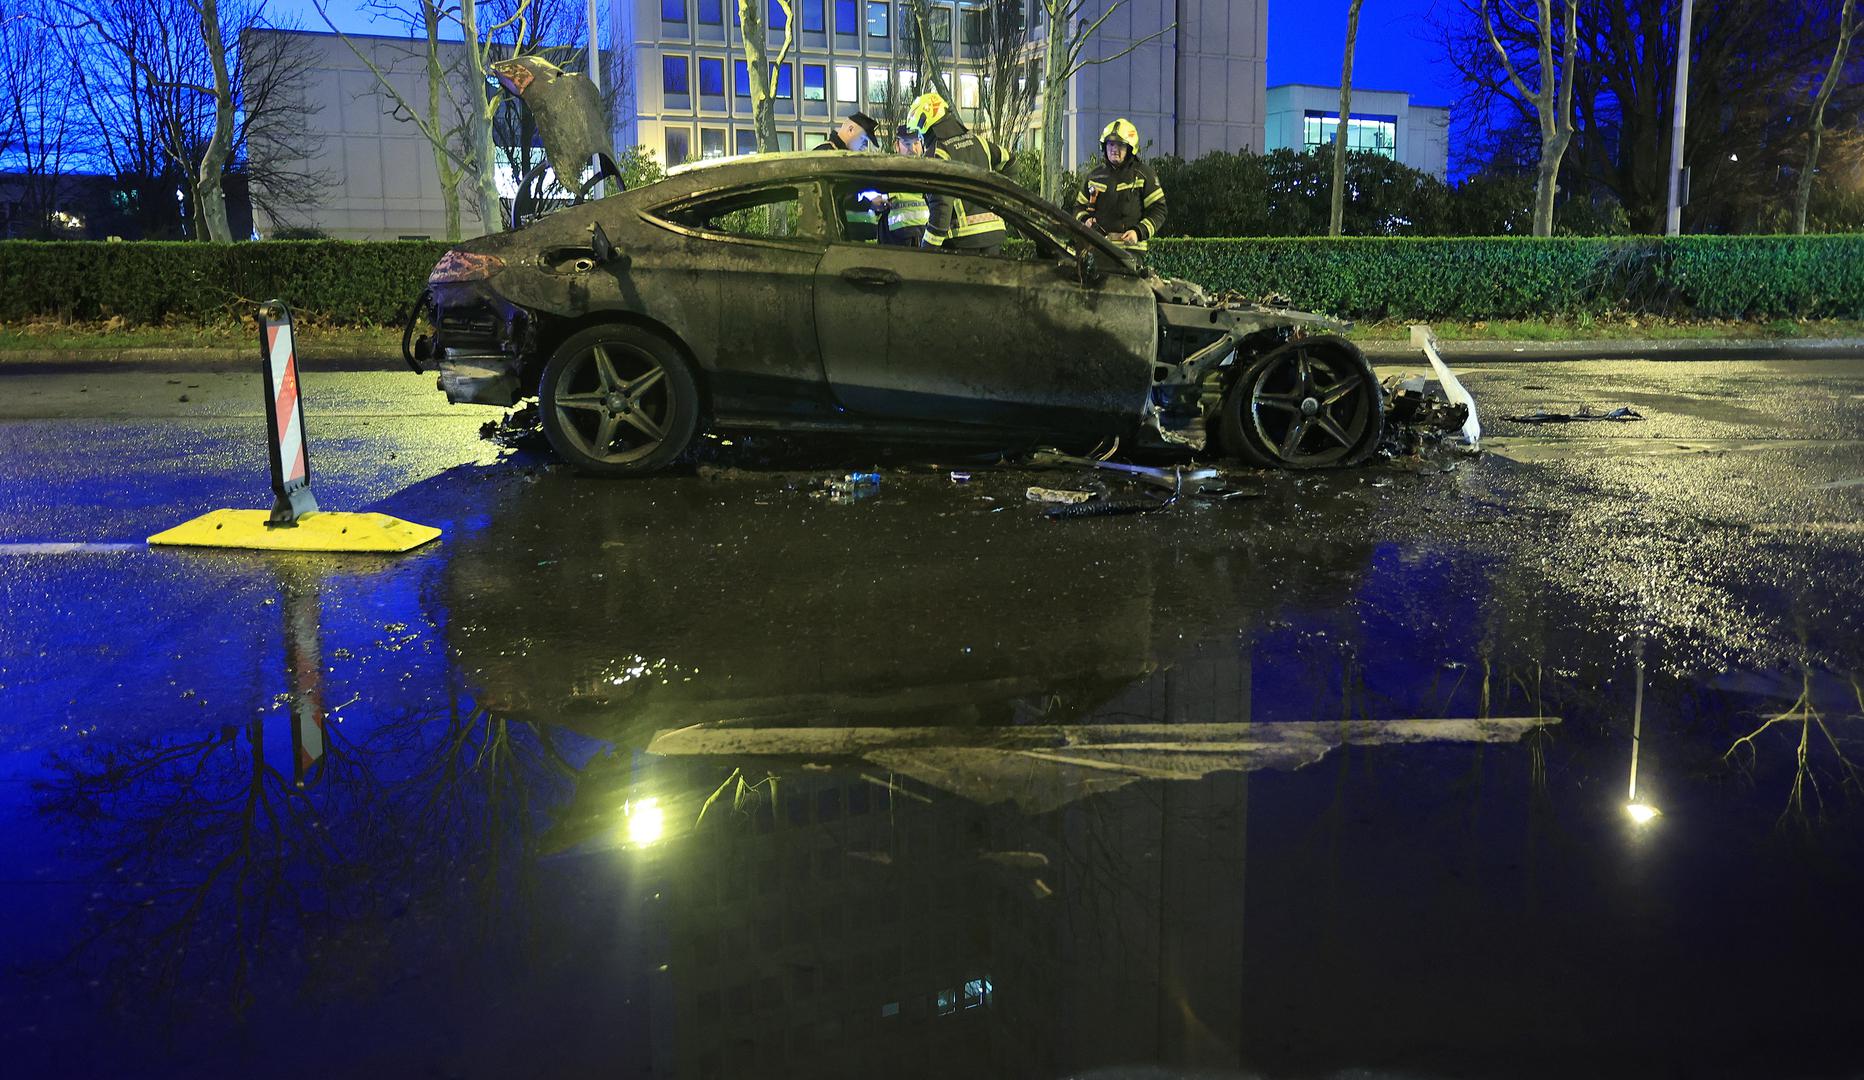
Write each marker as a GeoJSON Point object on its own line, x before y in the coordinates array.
{"type": "Point", "coordinates": [1673, 221]}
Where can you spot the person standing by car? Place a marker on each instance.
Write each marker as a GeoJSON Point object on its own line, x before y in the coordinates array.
{"type": "Point", "coordinates": [856, 132]}
{"type": "Point", "coordinates": [863, 211]}
{"type": "Point", "coordinates": [1121, 197]}
{"type": "Point", "coordinates": [905, 214]}
{"type": "Point", "coordinates": [953, 226]}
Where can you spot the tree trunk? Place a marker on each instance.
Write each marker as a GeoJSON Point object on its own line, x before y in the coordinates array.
{"type": "Point", "coordinates": [757, 63]}
{"type": "Point", "coordinates": [1802, 197]}
{"type": "Point", "coordinates": [444, 169]}
{"type": "Point", "coordinates": [1547, 180]}
{"type": "Point", "coordinates": [1338, 212]}
{"type": "Point", "coordinates": [1054, 105]}
{"type": "Point", "coordinates": [479, 110]}
{"type": "Point", "coordinates": [211, 209]}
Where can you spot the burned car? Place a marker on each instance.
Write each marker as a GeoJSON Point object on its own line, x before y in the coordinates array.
{"type": "Point", "coordinates": [732, 296]}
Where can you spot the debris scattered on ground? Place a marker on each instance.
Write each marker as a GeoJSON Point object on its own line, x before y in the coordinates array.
{"type": "Point", "coordinates": [1175, 479]}
{"type": "Point", "coordinates": [960, 477]}
{"type": "Point", "coordinates": [1057, 495]}
{"type": "Point", "coordinates": [1619, 415]}
{"type": "Point", "coordinates": [519, 429]}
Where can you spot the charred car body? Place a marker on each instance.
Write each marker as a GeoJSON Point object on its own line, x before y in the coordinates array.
{"type": "Point", "coordinates": [729, 296]}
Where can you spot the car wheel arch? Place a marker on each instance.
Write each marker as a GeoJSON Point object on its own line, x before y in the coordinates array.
{"type": "Point", "coordinates": [552, 332]}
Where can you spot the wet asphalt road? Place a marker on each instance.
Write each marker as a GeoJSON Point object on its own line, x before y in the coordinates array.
{"type": "Point", "coordinates": [935, 781]}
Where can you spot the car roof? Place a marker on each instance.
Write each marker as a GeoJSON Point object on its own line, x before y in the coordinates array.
{"type": "Point", "coordinates": [722, 173]}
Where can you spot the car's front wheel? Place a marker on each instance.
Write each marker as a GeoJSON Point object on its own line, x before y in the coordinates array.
{"type": "Point", "coordinates": [1313, 403]}
{"type": "Point", "coordinates": [619, 401]}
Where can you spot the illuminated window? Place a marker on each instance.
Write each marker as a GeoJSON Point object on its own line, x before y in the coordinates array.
{"type": "Point", "coordinates": [909, 82]}
{"type": "Point", "coordinates": [847, 83]}
{"type": "Point", "coordinates": [1374, 134]}
{"type": "Point", "coordinates": [967, 91]}
{"type": "Point", "coordinates": [876, 86]}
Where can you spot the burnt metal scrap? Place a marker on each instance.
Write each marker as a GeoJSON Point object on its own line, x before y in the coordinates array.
{"type": "Point", "coordinates": [730, 297]}
{"type": "Point", "coordinates": [568, 110]}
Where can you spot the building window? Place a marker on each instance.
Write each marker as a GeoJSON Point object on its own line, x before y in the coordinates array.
{"type": "Point", "coordinates": [941, 26]}
{"type": "Point", "coordinates": [848, 17]}
{"type": "Point", "coordinates": [711, 76]}
{"type": "Point", "coordinates": [673, 72]}
{"type": "Point", "coordinates": [747, 141]}
{"type": "Point", "coordinates": [786, 141]}
{"type": "Point", "coordinates": [786, 85]}
{"type": "Point", "coordinates": [741, 78]}
{"type": "Point", "coordinates": [967, 91]}
{"type": "Point", "coordinates": [971, 24]}
{"type": "Point", "coordinates": [877, 19]}
{"type": "Point", "coordinates": [672, 10]}
{"type": "Point", "coordinates": [679, 146]}
{"type": "Point", "coordinates": [776, 18]}
{"type": "Point", "coordinates": [847, 84]}
{"type": "Point", "coordinates": [712, 12]}
{"type": "Point", "coordinates": [1374, 134]}
{"type": "Point", "coordinates": [711, 142]}
{"type": "Point", "coordinates": [909, 84]}
{"type": "Point", "coordinates": [815, 16]}
{"type": "Point", "coordinates": [876, 86]}
{"type": "Point", "coordinates": [815, 82]}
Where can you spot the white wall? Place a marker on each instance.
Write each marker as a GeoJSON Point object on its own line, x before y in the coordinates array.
{"type": "Point", "coordinates": [1422, 130]}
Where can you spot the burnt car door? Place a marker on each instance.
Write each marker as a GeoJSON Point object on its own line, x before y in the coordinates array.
{"type": "Point", "coordinates": [1020, 340]}
{"type": "Point", "coordinates": [748, 260]}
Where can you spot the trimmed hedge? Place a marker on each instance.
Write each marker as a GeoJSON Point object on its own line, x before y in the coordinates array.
{"type": "Point", "coordinates": [144, 282]}
{"type": "Point", "coordinates": [356, 283]}
{"type": "Point", "coordinates": [1523, 277]}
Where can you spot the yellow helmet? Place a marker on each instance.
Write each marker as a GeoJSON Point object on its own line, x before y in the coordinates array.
{"type": "Point", "coordinates": [927, 109]}
{"type": "Point", "coordinates": [1123, 130]}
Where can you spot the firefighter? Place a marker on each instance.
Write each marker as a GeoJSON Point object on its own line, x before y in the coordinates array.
{"type": "Point", "coordinates": [953, 226]}
{"type": "Point", "coordinates": [862, 212]}
{"type": "Point", "coordinates": [1121, 197]}
{"type": "Point", "coordinates": [905, 214]}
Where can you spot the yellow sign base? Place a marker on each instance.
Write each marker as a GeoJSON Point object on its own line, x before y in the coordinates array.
{"type": "Point", "coordinates": [323, 531]}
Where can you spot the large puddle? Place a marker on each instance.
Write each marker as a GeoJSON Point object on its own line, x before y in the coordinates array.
{"type": "Point", "coordinates": [710, 777]}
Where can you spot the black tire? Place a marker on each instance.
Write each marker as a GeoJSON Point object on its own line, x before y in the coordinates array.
{"type": "Point", "coordinates": [606, 411]}
{"type": "Point", "coordinates": [1314, 403]}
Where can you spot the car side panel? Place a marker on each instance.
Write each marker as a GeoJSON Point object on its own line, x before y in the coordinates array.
{"type": "Point", "coordinates": [978, 340]}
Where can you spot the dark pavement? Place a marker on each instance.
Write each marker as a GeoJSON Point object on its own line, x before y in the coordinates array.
{"type": "Point", "coordinates": [708, 775]}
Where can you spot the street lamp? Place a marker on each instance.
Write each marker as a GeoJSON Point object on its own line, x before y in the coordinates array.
{"type": "Point", "coordinates": [1673, 221]}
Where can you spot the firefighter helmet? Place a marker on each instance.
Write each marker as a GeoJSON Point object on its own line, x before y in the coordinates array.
{"type": "Point", "coordinates": [1123, 131]}
{"type": "Point", "coordinates": [927, 109]}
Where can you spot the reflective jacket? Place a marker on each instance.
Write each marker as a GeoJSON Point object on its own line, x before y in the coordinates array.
{"type": "Point", "coordinates": [952, 224]}
{"type": "Point", "coordinates": [1128, 197]}
{"type": "Point", "coordinates": [906, 218]}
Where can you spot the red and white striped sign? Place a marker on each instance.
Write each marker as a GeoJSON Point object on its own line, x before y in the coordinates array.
{"type": "Point", "coordinates": [284, 413]}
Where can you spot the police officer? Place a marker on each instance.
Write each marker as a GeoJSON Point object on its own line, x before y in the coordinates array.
{"type": "Point", "coordinates": [953, 226]}
{"type": "Point", "coordinates": [862, 212]}
{"type": "Point", "coordinates": [905, 213]}
{"type": "Point", "coordinates": [1121, 196]}
{"type": "Point", "coordinates": [855, 132]}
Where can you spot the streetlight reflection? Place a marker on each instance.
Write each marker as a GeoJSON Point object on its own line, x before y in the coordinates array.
{"type": "Point", "coordinates": [646, 821]}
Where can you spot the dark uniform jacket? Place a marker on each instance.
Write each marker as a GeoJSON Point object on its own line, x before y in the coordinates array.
{"type": "Point", "coordinates": [952, 224]}
{"type": "Point", "coordinates": [1128, 197]}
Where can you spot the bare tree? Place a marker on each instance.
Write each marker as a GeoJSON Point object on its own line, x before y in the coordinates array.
{"type": "Point", "coordinates": [759, 67]}
{"type": "Point", "coordinates": [36, 113]}
{"type": "Point", "coordinates": [1068, 36]}
{"type": "Point", "coordinates": [1346, 121]}
{"type": "Point", "coordinates": [921, 40]}
{"type": "Point", "coordinates": [1815, 129]}
{"type": "Point", "coordinates": [1551, 99]}
{"type": "Point", "coordinates": [1009, 81]}
{"type": "Point", "coordinates": [440, 118]}
{"type": "Point", "coordinates": [274, 141]}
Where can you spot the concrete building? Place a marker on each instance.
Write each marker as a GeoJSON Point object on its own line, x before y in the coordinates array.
{"type": "Point", "coordinates": [1304, 117]}
{"type": "Point", "coordinates": [1197, 88]}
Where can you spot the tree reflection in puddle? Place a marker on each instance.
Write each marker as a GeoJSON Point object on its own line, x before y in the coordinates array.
{"type": "Point", "coordinates": [1745, 752]}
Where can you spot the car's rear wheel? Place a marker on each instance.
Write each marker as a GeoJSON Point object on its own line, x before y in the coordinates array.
{"type": "Point", "coordinates": [1314, 403]}
{"type": "Point", "coordinates": [619, 401]}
